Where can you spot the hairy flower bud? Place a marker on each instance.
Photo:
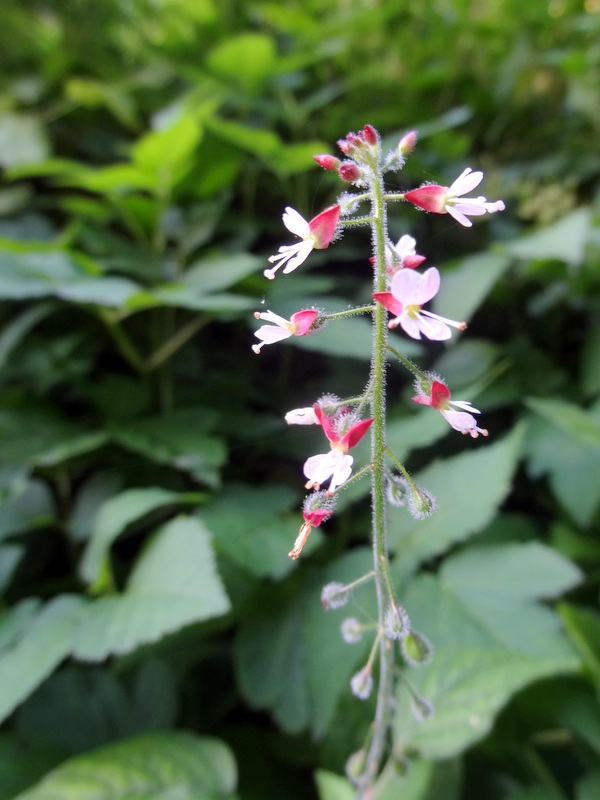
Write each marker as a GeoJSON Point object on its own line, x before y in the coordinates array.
{"type": "Point", "coordinates": [361, 683]}
{"type": "Point", "coordinates": [352, 630]}
{"type": "Point", "coordinates": [334, 595]}
{"type": "Point", "coordinates": [421, 503]}
{"type": "Point", "coordinates": [396, 622]}
{"type": "Point", "coordinates": [407, 143]}
{"type": "Point", "coordinates": [330, 163]}
{"type": "Point", "coordinates": [416, 649]}
{"type": "Point", "coordinates": [349, 172]}
{"type": "Point", "coordinates": [397, 489]}
{"type": "Point", "coordinates": [421, 708]}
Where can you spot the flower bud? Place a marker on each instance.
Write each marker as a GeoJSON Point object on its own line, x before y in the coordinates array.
{"type": "Point", "coordinates": [355, 766]}
{"type": "Point", "coordinates": [330, 163]}
{"type": "Point", "coordinates": [334, 595]}
{"type": "Point", "coordinates": [317, 507]}
{"type": "Point", "coordinates": [361, 683]}
{"type": "Point", "coordinates": [370, 135]}
{"type": "Point", "coordinates": [416, 649]}
{"type": "Point", "coordinates": [421, 503]}
{"type": "Point", "coordinates": [397, 489]}
{"type": "Point", "coordinates": [407, 143]}
{"type": "Point", "coordinates": [352, 630]}
{"type": "Point", "coordinates": [349, 172]}
{"type": "Point", "coordinates": [396, 622]}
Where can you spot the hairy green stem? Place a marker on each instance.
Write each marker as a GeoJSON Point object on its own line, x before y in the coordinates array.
{"type": "Point", "coordinates": [381, 722]}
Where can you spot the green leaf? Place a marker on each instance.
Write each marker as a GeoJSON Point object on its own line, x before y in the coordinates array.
{"type": "Point", "coordinates": [173, 584]}
{"type": "Point", "coordinates": [290, 655]}
{"type": "Point", "coordinates": [254, 528]}
{"type": "Point", "coordinates": [573, 476]}
{"type": "Point", "coordinates": [167, 153]}
{"type": "Point", "coordinates": [23, 140]}
{"type": "Point", "coordinates": [147, 767]}
{"type": "Point", "coordinates": [116, 514]}
{"type": "Point", "coordinates": [44, 643]}
{"type": "Point", "coordinates": [588, 787]}
{"type": "Point", "coordinates": [248, 59]}
{"type": "Point", "coordinates": [466, 286]}
{"type": "Point", "coordinates": [568, 418]}
{"type": "Point", "coordinates": [333, 787]}
{"type": "Point", "coordinates": [564, 240]}
{"type": "Point", "coordinates": [468, 488]}
{"type": "Point", "coordinates": [16, 330]}
{"type": "Point", "coordinates": [178, 439]}
{"type": "Point", "coordinates": [583, 627]}
{"type": "Point", "coordinates": [259, 141]}
{"type": "Point", "coordinates": [220, 272]}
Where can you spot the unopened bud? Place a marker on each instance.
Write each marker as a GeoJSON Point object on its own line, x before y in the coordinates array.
{"type": "Point", "coordinates": [334, 595]}
{"type": "Point", "coordinates": [397, 489]}
{"type": "Point", "coordinates": [361, 683]}
{"type": "Point", "coordinates": [352, 630]}
{"type": "Point", "coordinates": [349, 172]}
{"type": "Point", "coordinates": [328, 162]}
{"type": "Point", "coordinates": [370, 135]}
{"type": "Point", "coordinates": [396, 622]}
{"type": "Point", "coordinates": [416, 649]}
{"type": "Point", "coordinates": [407, 143]}
{"type": "Point", "coordinates": [355, 766]}
{"type": "Point", "coordinates": [421, 503]}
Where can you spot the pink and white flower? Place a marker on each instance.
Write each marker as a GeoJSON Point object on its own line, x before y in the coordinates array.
{"type": "Point", "coordinates": [439, 398]}
{"type": "Point", "coordinates": [409, 292]}
{"type": "Point", "coordinates": [336, 465]}
{"type": "Point", "coordinates": [450, 200]}
{"type": "Point", "coordinates": [404, 254]}
{"type": "Point", "coordinates": [315, 235]}
{"type": "Point", "coordinates": [299, 324]}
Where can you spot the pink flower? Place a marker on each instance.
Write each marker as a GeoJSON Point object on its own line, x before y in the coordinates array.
{"type": "Point", "coordinates": [439, 398]}
{"type": "Point", "coordinates": [404, 254]}
{"type": "Point", "coordinates": [343, 433]}
{"type": "Point", "coordinates": [409, 291]}
{"type": "Point", "coordinates": [315, 235]}
{"type": "Point", "coordinates": [299, 324]}
{"type": "Point", "coordinates": [446, 200]}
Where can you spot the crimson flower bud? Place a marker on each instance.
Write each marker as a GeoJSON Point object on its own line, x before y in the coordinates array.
{"type": "Point", "coordinates": [407, 143]}
{"type": "Point", "coordinates": [370, 135]}
{"type": "Point", "coordinates": [349, 171]}
{"type": "Point", "coordinates": [328, 162]}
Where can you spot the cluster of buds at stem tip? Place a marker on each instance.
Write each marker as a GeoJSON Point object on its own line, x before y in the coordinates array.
{"type": "Point", "coordinates": [432, 391]}
{"type": "Point", "coordinates": [450, 200]}
{"type": "Point", "coordinates": [299, 324]}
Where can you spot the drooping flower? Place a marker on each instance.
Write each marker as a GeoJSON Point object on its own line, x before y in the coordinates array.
{"type": "Point", "coordinates": [315, 235]}
{"type": "Point", "coordinates": [343, 433]}
{"type": "Point", "coordinates": [317, 507]}
{"type": "Point", "coordinates": [438, 397]}
{"type": "Point", "coordinates": [299, 324]}
{"type": "Point", "coordinates": [409, 291]}
{"type": "Point", "coordinates": [450, 200]}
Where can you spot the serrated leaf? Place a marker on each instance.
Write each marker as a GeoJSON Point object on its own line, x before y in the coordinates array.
{"type": "Point", "coordinates": [468, 489]}
{"type": "Point", "coordinates": [143, 768]}
{"type": "Point", "coordinates": [116, 514]}
{"type": "Point", "coordinates": [173, 584]}
{"type": "Point", "coordinates": [45, 642]}
{"type": "Point", "coordinates": [468, 687]}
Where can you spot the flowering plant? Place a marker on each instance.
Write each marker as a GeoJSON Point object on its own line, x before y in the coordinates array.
{"type": "Point", "coordinates": [399, 288]}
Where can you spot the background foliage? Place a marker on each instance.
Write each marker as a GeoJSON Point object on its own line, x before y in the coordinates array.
{"type": "Point", "coordinates": [155, 639]}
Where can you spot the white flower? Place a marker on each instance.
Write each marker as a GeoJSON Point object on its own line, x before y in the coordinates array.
{"type": "Point", "coordinates": [315, 235]}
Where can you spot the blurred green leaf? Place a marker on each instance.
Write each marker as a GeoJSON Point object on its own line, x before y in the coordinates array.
{"type": "Point", "coordinates": [583, 627]}
{"type": "Point", "coordinates": [146, 767]}
{"type": "Point", "coordinates": [116, 514]}
{"type": "Point", "coordinates": [333, 787]}
{"type": "Point", "coordinates": [23, 140]}
{"type": "Point", "coordinates": [248, 59]}
{"type": "Point", "coordinates": [174, 583]}
{"type": "Point", "coordinates": [564, 240]}
{"type": "Point", "coordinates": [44, 643]}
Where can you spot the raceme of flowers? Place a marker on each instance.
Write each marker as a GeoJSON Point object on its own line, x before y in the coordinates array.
{"type": "Point", "coordinates": [406, 294]}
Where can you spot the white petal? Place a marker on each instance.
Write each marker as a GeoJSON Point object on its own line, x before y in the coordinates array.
{"type": "Point", "coordinates": [459, 217]}
{"type": "Point", "coordinates": [406, 246]}
{"type": "Point", "coordinates": [269, 334]}
{"type": "Point", "coordinates": [302, 416]}
{"type": "Point", "coordinates": [465, 182]}
{"type": "Point", "coordinates": [428, 287]}
{"type": "Point", "coordinates": [410, 326]}
{"type": "Point", "coordinates": [405, 287]}
{"type": "Point", "coordinates": [342, 471]}
{"type": "Point", "coordinates": [295, 223]}
{"type": "Point", "coordinates": [434, 329]}
{"type": "Point", "coordinates": [303, 251]}
{"type": "Point", "coordinates": [460, 420]}
{"type": "Point", "coordinates": [465, 405]}
{"type": "Point", "coordinates": [319, 468]}
{"type": "Point", "coordinates": [475, 207]}
{"type": "Point", "coordinates": [270, 316]}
